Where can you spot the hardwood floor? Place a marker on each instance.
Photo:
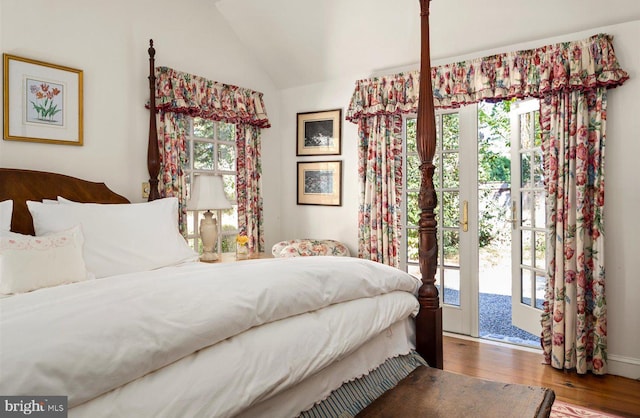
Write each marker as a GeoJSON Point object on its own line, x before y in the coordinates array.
{"type": "Point", "coordinates": [612, 394]}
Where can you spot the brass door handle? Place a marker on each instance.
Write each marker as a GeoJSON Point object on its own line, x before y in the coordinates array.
{"type": "Point", "coordinates": [465, 216]}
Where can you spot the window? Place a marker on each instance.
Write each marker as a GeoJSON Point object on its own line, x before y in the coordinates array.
{"type": "Point", "coordinates": [211, 149]}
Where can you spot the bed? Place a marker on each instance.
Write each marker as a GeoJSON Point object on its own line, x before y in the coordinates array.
{"type": "Point", "coordinates": [136, 326]}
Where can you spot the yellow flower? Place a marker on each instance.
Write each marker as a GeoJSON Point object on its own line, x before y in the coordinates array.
{"type": "Point", "coordinates": [242, 239]}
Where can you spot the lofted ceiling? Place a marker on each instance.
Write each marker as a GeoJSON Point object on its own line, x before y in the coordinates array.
{"type": "Point", "coordinates": [301, 42]}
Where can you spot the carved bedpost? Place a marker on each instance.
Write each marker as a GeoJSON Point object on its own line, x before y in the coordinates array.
{"type": "Point", "coordinates": [153, 153]}
{"type": "Point", "coordinates": [429, 320]}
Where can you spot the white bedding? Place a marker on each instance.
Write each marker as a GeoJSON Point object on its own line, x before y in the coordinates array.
{"type": "Point", "coordinates": [86, 339]}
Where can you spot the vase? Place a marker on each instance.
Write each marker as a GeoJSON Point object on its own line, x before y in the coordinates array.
{"type": "Point", "coordinates": [242, 252]}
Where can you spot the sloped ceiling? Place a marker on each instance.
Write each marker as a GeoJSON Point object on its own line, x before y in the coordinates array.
{"type": "Point", "coordinates": [301, 42]}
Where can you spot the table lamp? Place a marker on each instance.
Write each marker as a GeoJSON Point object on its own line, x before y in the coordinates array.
{"type": "Point", "coordinates": [207, 193]}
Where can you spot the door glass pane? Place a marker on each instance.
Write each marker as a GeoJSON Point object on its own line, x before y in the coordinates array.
{"type": "Point", "coordinates": [413, 172]}
{"type": "Point", "coordinates": [202, 155]}
{"type": "Point", "coordinates": [538, 169]}
{"type": "Point", "coordinates": [525, 170]}
{"type": "Point", "coordinates": [452, 287]}
{"type": "Point", "coordinates": [450, 206]}
{"type": "Point", "coordinates": [540, 244]}
{"type": "Point", "coordinates": [526, 287]}
{"type": "Point", "coordinates": [540, 290]}
{"type": "Point", "coordinates": [526, 248]}
{"type": "Point", "coordinates": [451, 248]}
{"type": "Point", "coordinates": [412, 245]}
{"type": "Point", "coordinates": [540, 210]}
{"type": "Point", "coordinates": [450, 170]}
{"type": "Point", "coordinates": [411, 140]}
{"type": "Point", "coordinates": [526, 205]}
{"type": "Point", "coordinates": [437, 181]}
{"type": "Point", "coordinates": [450, 131]}
{"type": "Point", "coordinates": [413, 212]}
{"type": "Point", "coordinates": [526, 131]}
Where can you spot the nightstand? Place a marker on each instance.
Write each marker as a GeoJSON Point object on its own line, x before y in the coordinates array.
{"type": "Point", "coordinates": [231, 257]}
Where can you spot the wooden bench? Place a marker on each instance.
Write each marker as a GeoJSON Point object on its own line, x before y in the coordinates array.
{"type": "Point", "coordinates": [430, 392]}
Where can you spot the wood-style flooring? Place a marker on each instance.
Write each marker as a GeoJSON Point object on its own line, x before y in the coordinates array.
{"type": "Point", "coordinates": [612, 394]}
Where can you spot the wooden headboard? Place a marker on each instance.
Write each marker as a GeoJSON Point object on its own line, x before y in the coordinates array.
{"type": "Point", "coordinates": [23, 185]}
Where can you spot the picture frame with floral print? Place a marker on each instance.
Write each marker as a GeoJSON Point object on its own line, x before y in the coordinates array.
{"type": "Point", "coordinates": [42, 102]}
{"type": "Point", "coordinates": [320, 183]}
{"type": "Point", "coordinates": [318, 133]}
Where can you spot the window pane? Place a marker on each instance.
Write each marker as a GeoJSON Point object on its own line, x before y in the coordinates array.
{"type": "Point", "coordinates": [450, 170]}
{"type": "Point", "coordinates": [538, 129]}
{"type": "Point", "coordinates": [227, 132]}
{"type": "Point", "coordinates": [230, 187]}
{"type": "Point", "coordinates": [450, 209]}
{"type": "Point", "coordinates": [228, 243]}
{"type": "Point", "coordinates": [450, 131]}
{"type": "Point", "coordinates": [226, 157]}
{"type": "Point", "coordinates": [437, 181]}
{"type": "Point", "coordinates": [191, 223]}
{"type": "Point", "coordinates": [413, 172]}
{"type": "Point", "coordinates": [411, 135]}
{"type": "Point", "coordinates": [202, 155]}
{"type": "Point", "coordinates": [203, 128]}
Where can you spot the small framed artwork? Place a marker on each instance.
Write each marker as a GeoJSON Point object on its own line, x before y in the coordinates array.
{"type": "Point", "coordinates": [320, 183]}
{"type": "Point", "coordinates": [42, 102]}
{"type": "Point", "coordinates": [319, 133]}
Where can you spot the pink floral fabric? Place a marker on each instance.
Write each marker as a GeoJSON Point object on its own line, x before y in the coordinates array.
{"type": "Point", "coordinates": [172, 128]}
{"type": "Point", "coordinates": [248, 187]}
{"type": "Point", "coordinates": [574, 320]}
{"type": "Point", "coordinates": [571, 79]}
{"type": "Point", "coordinates": [578, 65]}
{"type": "Point", "coordinates": [196, 96]}
{"type": "Point", "coordinates": [380, 183]}
{"type": "Point", "coordinates": [180, 94]}
{"type": "Point", "coordinates": [309, 247]}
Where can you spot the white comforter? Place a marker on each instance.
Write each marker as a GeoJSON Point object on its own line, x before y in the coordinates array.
{"type": "Point", "coordinates": [85, 339]}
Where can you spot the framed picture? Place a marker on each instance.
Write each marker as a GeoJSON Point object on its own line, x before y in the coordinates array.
{"type": "Point", "coordinates": [319, 133]}
{"type": "Point", "coordinates": [320, 183]}
{"type": "Point", "coordinates": [42, 102]}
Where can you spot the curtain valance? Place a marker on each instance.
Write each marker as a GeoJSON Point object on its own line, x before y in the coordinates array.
{"type": "Point", "coordinates": [180, 92]}
{"type": "Point", "coordinates": [576, 65]}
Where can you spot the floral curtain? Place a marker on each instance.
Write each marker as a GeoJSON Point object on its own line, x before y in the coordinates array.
{"type": "Point", "coordinates": [180, 94]}
{"type": "Point", "coordinates": [571, 79]}
{"type": "Point", "coordinates": [574, 321]}
{"type": "Point", "coordinates": [172, 128]}
{"type": "Point", "coordinates": [380, 173]}
{"type": "Point", "coordinates": [250, 217]}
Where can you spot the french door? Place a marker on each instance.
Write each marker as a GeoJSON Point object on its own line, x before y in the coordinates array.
{"type": "Point", "coordinates": [455, 181]}
{"type": "Point", "coordinates": [527, 217]}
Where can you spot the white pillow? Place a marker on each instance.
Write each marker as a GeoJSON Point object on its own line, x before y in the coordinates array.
{"type": "Point", "coordinates": [119, 238]}
{"type": "Point", "coordinates": [28, 263]}
{"type": "Point", "coordinates": [6, 209]}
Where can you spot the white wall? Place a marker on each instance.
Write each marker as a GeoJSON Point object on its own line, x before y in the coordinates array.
{"type": "Point", "coordinates": [622, 199]}
{"type": "Point", "coordinates": [108, 41]}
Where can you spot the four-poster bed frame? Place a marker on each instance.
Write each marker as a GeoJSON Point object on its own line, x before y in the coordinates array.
{"type": "Point", "coordinates": [429, 319]}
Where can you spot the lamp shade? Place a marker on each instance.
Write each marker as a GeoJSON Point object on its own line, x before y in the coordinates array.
{"type": "Point", "coordinates": [207, 192]}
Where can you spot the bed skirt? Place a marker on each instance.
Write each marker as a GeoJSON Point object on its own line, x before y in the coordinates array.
{"type": "Point", "coordinates": [354, 396]}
